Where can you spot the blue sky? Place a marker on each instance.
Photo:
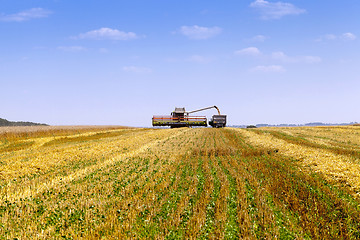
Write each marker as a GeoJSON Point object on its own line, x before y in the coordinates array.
{"type": "Point", "coordinates": [120, 62]}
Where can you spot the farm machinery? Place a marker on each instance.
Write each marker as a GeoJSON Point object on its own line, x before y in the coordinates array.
{"type": "Point", "coordinates": [180, 118]}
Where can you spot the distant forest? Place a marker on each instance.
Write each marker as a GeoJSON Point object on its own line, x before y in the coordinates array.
{"type": "Point", "coordinates": [6, 123]}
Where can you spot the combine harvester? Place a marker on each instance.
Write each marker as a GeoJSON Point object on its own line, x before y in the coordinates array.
{"type": "Point", "coordinates": [181, 118]}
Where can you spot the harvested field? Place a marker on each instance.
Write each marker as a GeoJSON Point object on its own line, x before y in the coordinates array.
{"type": "Point", "coordinates": [124, 183]}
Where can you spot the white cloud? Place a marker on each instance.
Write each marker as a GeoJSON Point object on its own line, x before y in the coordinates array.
{"type": "Point", "coordinates": [25, 15]}
{"type": "Point", "coordinates": [250, 51]}
{"type": "Point", "coordinates": [259, 38]}
{"type": "Point", "coordinates": [276, 10]}
{"type": "Point", "coordinates": [348, 36]}
{"type": "Point", "coordinates": [332, 37]}
{"type": "Point", "coordinates": [197, 32]}
{"type": "Point", "coordinates": [281, 56]}
{"type": "Point", "coordinates": [278, 56]}
{"type": "Point", "coordinates": [135, 69]}
{"type": "Point", "coordinates": [72, 48]}
{"type": "Point", "coordinates": [268, 69]}
{"type": "Point", "coordinates": [107, 34]}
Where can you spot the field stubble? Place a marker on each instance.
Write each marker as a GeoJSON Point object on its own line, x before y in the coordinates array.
{"type": "Point", "coordinates": [180, 184]}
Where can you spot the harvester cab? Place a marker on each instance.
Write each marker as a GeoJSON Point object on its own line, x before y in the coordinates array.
{"type": "Point", "coordinates": [180, 118]}
{"type": "Point", "coordinates": [179, 113]}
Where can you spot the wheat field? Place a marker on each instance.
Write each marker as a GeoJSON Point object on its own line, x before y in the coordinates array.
{"type": "Point", "coordinates": [187, 183]}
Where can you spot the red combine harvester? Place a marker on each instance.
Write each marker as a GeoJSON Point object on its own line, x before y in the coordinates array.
{"type": "Point", "coordinates": [181, 118]}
